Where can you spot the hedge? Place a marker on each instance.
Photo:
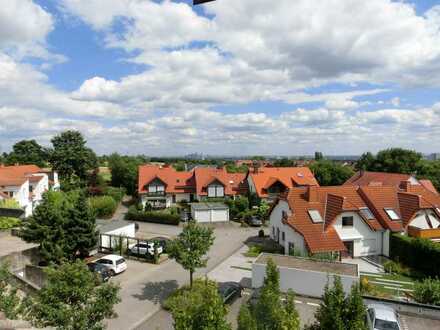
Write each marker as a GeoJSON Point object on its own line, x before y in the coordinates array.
{"type": "Point", "coordinates": [8, 223]}
{"type": "Point", "coordinates": [103, 206]}
{"type": "Point", "coordinates": [420, 254]}
{"type": "Point", "coordinates": [154, 217]}
{"type": "Point", "coordinates": [116, 193]}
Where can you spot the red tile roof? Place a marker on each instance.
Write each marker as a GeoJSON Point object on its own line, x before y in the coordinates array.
{"type": "Point", "coordinates": [366, 178]}
{"type": "Point", "coordinates": [289, 176]}
{"type": "Point", "coordinates": [332, 201]}
{"type": "Point", "coordinates": [195, 181]}
{"type": "Point", "coordinates": [17, 175]}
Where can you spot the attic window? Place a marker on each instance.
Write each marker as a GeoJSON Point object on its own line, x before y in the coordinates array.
{"type": "Point", "coordinates": [438, 209]}
{"type": "Point", "coordinates": [315, 216]}
{"type": "Point", "coordinates": [392, 214]}
{"type": "Point", "coordinates": [300, 175]}
{"type": "Point", "coordinates": [366, 213]}
{"type": "Point", "coordinates": [231, 182]}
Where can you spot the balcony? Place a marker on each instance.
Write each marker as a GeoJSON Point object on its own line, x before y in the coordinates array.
{"type": "Point", "coordinates": [156, 194]}
{"type": "Point", "coordinates": [424, 233]}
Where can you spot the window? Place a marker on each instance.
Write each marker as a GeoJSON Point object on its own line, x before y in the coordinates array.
{"type": "Point", "coordinates": [315, 216]}
{"type": "Point", "coordinates": [283, 215]}
{"type": "Point", "coordinates": [283, 235]}
{"type": "Point", "coordinates": [347, 221]}
{"type": "Point", "coordinates": [216, 191]}
{"type": "Point", "coordinates": [366, 213]}
{"type": "Point", "coordinates": [153, 188]}
{"type": "Point", "coordinates": [174, 199]}
{"type": "Point", "coordinates": [291, 249]}
{"type": "Point", "coordinates": [273, 232]}
{"type": "Point", "coordinates": [392, 214]}
{"type": "Point", "coordinates": [31, 188]}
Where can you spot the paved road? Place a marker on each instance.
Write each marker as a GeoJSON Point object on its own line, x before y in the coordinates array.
{"type": "Point", "coordinates": [145, 286]}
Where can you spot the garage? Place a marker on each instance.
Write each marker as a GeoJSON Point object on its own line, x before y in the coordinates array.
{"type": "Point", "coordinates": [209, 212]}
{"type": "Point", "coordinates": [107, 228]}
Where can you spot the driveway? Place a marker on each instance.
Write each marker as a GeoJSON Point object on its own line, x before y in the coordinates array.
{"type": "Point", "coordinates": [144, 286]}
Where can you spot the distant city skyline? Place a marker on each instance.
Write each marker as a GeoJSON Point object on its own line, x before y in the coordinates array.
{"type": "Point", "coordinates": [229, 77]}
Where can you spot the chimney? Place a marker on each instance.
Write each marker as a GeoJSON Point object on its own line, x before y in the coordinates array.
{"type": "Point", "coordinates": [405, 185]}
{"type": "Point", "coordinates": [312, 193]}
{"type": "Point", "coordinates": [256, 166]}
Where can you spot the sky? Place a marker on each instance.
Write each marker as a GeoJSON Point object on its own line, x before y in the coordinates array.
{"type": "Point", "coordinates": [231, 77]}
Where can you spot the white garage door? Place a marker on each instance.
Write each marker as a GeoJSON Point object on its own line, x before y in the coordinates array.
{"type": "Point", "coordinates": [369, 246]}
{"type": "Point", "coordinates": [219, 215]}
{"type": "Point", "coordinates": [203, 216]}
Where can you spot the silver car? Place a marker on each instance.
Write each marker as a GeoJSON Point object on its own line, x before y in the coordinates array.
{"type": "Point", "coordinates": [145, 248]}
{"type": "Point", "coordinates": [382, 317]}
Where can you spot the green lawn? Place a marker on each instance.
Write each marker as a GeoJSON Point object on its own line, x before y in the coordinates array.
{"type": "Point", "coordinates": [390, 285]}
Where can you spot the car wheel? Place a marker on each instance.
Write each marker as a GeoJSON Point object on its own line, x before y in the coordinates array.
{"type": "Point", "coordinates": [112, 272]}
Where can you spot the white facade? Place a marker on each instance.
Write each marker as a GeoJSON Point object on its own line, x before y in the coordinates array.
{"type": "Point", "coordinates": [125, 231]}
{"type": "Point", "coordinates": [210, 215]}
{"type": "Point", "coordinates": [420, 221]}
{"type": "Point", "coordinates": [365, 240]}
{"type": "Point", "coordinates": [170, 199]}
{"type": "Point", "coordinates": [303, 282]}
{"type": "Point", "coordinates": [21, 195]}
{"type": "Point", "coordinates": [290, 240]}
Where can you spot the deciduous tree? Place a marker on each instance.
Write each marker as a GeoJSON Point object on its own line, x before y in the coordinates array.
{"type": "Point", "coordinates": [329, 173]}
{"type": "Point", "coordinates": [27, 152]}
{"type": "Point", "coordinates": [189, 249]}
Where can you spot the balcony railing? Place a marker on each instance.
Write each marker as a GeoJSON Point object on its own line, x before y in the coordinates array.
{"type": "Point", "coordinates": [156, 194]}
{"type": "Point", "coordinates": [423, 233]}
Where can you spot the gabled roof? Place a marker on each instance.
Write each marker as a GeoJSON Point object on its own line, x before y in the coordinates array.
{"type": "Point", "coordinates": [366, 178]}
{"type": "Point", "coordinates": [17, 175]}
{"type": "Point", "coordinates": [175, 182]}
{"type": "Point", "coordinates": [232, 182]}
{"type": "Point", "coordinates": [288, 176]}
{"type": "Point", "coordinates": [195, 181]}
{"type": "Point", "coordinates": [333, 201]}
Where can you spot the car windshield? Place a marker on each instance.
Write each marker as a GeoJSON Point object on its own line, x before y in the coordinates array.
{"type": "Point", "coordinates": [385, 325]}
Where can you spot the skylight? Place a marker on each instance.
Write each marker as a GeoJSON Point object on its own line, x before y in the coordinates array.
{"type": "Point", "coordinates": [315, 216]}
{"type": "Point", "coordinates": [392, 214]}
{"type": "Point", "coordinates": [366, 213]}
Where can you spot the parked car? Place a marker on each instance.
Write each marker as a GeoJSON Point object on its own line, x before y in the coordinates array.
{"type": "Point", "coordinates": [162, 241]}
{"type": "Point", "coordinates": [102, 271]}
{"type": "Point", "coordinates": [115, 264]}
{"type": "Point", "coordinates": [229, 291]}
{"type": "Point", "coordinates": [145, 248]}
{"type": "Point", "coordinates": [254, 221]}
{"type": "Point", "coordinates": [381, 317]}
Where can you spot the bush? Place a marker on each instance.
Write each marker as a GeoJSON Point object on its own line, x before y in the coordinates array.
{"type": "Point", "coordinates": [428, 291]}
{"type": "Point", "coordinates": [421, 254]}
{"type": "Point", "coordinates": [153, 216]}
{"type": "Point", "coordinates": [103, 206]}
{"type": "Point", "coordinates": [8, 223]}
{"type": "Point", "coordinates": [9, 204]}
{"type": "Point", "coordinates": [116, 193]}
{"type": "Point", "coordinates": [392, 267]}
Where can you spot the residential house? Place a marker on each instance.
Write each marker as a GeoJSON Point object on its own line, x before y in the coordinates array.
{"type": "Point", "coordinates": [163, 186]}
{"type": "Point", "coordinates": [353, 221]}
{"type": "Point", "coordinates": [26, 184]}
{"type": "Point", "coordinates": [366, 178]}
{"type": "Point", "coordinates": [269, 182]}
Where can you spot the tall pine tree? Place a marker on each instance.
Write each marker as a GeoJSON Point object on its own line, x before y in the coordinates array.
{"type": "Point", "coordinates": [80, 228]}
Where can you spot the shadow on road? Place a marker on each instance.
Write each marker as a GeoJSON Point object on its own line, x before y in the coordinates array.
{"type": "Point", "coordinates": [157, 292]}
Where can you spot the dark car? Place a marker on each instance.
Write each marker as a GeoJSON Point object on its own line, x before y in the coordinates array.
{"type": "Point", "coordinates": [162, 241]}
{"type": "Point", "coordinates": [254, 221]}
{"type": "Point", "coordinates": [102, 271]}
{"type": "Point", "coordinates": [229, 291]}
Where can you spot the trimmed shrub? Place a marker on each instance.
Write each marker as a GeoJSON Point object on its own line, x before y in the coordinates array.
{"type": "Point", "coordinates": [8, 223]}
{"type": "Point", "coordinates": [103, 206]}
{"type": "Point", "coordinates": [428, 291]}
{"type": "Point", "coordinates": [420, 254]}
{"type": "Point", "coordinates": [153, 216]}
{"type": "Point", "coordinates": [116, 193]}
{"type": "Point", "coordinates": [9, 204]}
{"type": "Point", "coordinates": [392, 267]}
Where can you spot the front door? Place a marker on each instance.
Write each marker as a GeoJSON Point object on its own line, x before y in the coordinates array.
{"type": "Point", "coordinates": [350, 248]}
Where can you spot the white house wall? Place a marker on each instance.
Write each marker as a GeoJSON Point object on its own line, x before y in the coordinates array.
{"type": "Point", "coordinates": [291, 236]}
{"type": "Point", "coordinates": [361, 235]}
{"type": "Point", "coordinates": [302, 282]}
{"type": "Point", "coordinates": [420, 220]}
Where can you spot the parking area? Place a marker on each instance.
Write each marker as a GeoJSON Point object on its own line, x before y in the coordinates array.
{"type": "Point", "coordinates": [144, 286]}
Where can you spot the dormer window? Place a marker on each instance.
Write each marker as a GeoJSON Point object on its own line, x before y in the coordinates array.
{"type": "Point", "coordinates": [216, 190]}
{"type": "Point", "coordinates": [392, 214]}
{"type": "Point", "coordinates": [315, 216]}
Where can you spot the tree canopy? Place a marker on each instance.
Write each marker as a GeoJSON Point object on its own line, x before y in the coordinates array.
{"type": "Point", "coordinates": [329, 173]}
{"type": "Point", "coordinates": [189, 249]}
{"type": "Point", "coordinates": [71, 300]}
{"type": "Point", "coordinates": [63, 225]}
{"type": "Point", "coordinates": [71, 157]}
{"type": "Point", "coordinates": [198, 308]}
{"type": "Point", "coordinates": [124, 171]}
{"type": "Point", "coordinates": [27, 152]}
{"type": "Point", "coordinates": [394, 160]}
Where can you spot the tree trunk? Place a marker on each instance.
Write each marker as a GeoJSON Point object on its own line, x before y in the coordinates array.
{"type": "Point", "coordinates": [191, 279]}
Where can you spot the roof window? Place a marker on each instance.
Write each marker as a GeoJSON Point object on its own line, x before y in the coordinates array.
{"type": "Point", "coordinates": [315, 216]}
{"type": "Point", "coordinates": [392, 214]}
